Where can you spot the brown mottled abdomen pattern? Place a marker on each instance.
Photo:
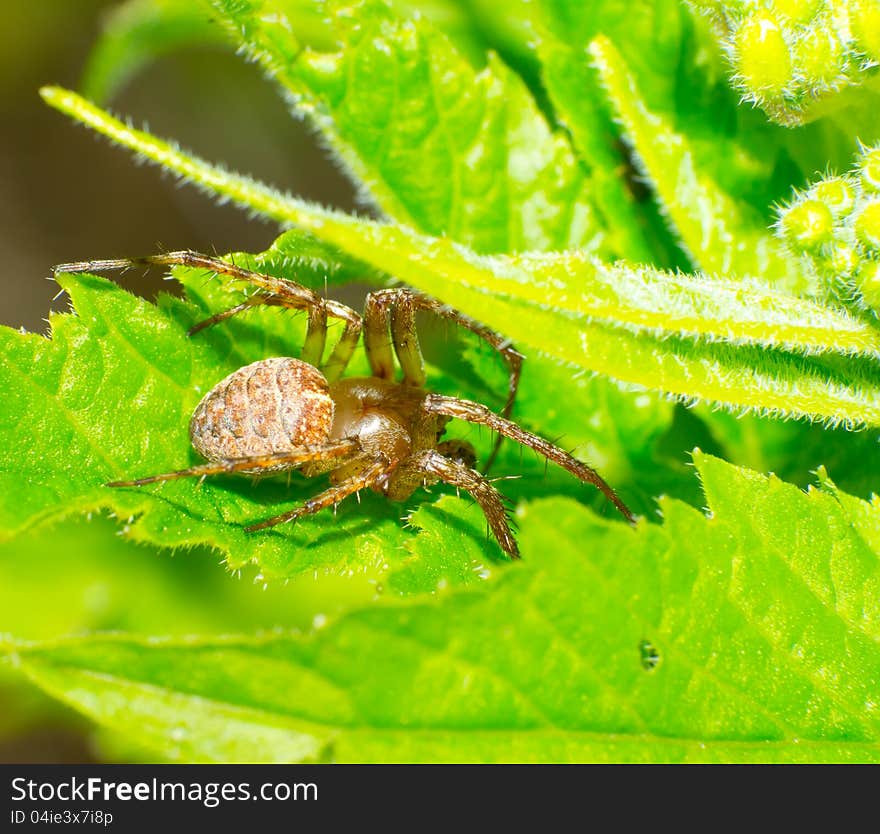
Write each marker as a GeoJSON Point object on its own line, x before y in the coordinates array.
{"type": "Point", "coordinates": [269, 406]}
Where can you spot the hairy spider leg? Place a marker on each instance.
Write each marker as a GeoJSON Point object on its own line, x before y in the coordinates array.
{"type": "Point", "coordinates": [475, 413]}
{"type": "Point", "coordinates": [321, 458]}
{"type": "Point", "coordinates": [316, 333]}
{"type": "Point", "coordinates": [369, 476]}
{"type": "Point", "coordinates": [273, 291]}
{"type": "Point", "coordinates": [490, 500]}
{"type": "Point", "coordinates": [400, 306]}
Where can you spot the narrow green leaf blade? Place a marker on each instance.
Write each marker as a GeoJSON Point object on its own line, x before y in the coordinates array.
{"type": "Point", "coordinates": [561, 33]}
{"type": "Point", "coordinates": [742, 377]}
{"type": "Point", "coordinates": [214, 180]}
{"type": "Point", "coordinates": [720, 235]}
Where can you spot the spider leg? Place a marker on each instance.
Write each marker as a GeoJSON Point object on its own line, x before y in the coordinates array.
{"type": "Point", "coordinates": [273, 291]}
{"type": "Point", "coordinates": [316, 333]}
{"type": "Point", "coordinates": [475, 413]}
{"type": "Point", "coordinates": [277, 462]}
{"type": "Point", "coordinates": [490, 500]}
{"type": "Point", "coordinates": [329, 497]}
{"type": "Point", "coordinates": [400, 305]}
{"type": "Point", "coordinates": [251, 302]}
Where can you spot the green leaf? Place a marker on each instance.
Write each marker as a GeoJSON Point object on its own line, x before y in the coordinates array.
{"type": "Point", "coordinates": [747, 635]}
{"type": "Point", "coordinates": [562, 33]}
{"type": "Point", "coordinates": [720, 235]}
{"type": "Point", "coordinates": [795, 451]}
{"type": "Point", "coordinates": [102, 580]}
{"type": "Point", "coordinates": [502, 292]}
{"type": "Point", "coordinates": [435, 144]}
{"type": "Point", "coordinates": [85, 575]}
{"type": "Point", "coordinates": [651, 33]}
{"type": "Point", "coordinates": [111, 398]}
{"type": "Point", "coordinates": [137, 32]}
{"type": "Point", "coordinates": [513, 294]}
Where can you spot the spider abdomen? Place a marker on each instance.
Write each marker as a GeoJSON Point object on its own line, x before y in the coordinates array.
{"type": "Point", "coordinates": [267, 407]}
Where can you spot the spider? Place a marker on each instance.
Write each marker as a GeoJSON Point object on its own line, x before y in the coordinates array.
{"type": "Point", "coordinates": [280, 413]}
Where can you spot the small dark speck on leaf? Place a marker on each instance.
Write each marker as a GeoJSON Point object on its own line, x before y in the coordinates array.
{"type": "Point", "coordinates": [649, 655]}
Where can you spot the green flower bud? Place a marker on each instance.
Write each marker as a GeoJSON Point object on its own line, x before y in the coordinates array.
{"type": "Point", "coordinates": [807, 225]}
{"type": "Point", "coordinates": [864, 16]}
{"type": "Point", "coordinates": [818, 55]}
{"type": "Point", "coordinates": [762, 57]}
{"type": "Point", "coordinates": [797, 11]}
{"type": "Point", "coordinates": [843, 260]}
{"type": "Point", "coordinates": [869, 170]}
{"type": "Point", "coordinates": [836, 193]}
{"type": "Point", "coordinates": [867, 226]}
{"type": "Point", "coordinates": [868, 282]}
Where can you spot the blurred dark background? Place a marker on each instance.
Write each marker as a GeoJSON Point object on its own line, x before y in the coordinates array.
{"type": "Point", "coordinates": [67, 195]}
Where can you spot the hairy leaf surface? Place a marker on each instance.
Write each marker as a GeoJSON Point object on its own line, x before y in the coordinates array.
{"type": "Point", "coordinates": [499, 291]}
{"type": "Point", "coordinates": [437, 145]}
{"type": "Point", "coordinates": [720, 235]}
{"type": "Point", "coordinates": [110, 396]}
{"type": "Point", "coordinates": [748, 635]}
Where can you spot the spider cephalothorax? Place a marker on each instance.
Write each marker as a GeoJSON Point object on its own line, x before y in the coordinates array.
{"type": "Point", "coordinates": [370, 432]}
